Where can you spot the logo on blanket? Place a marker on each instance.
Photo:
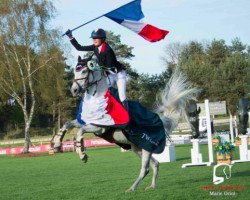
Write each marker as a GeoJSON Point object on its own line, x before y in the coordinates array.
{"type": "Point", "coordinates": [148, 138]}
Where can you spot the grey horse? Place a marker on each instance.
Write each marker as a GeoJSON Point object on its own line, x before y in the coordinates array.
{"type": "Point", "coordinates": [170, 107]}
{"type": "Point", "coordinates": [243, 108]}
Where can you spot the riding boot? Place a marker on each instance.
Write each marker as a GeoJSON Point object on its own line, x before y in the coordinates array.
{"type": "Point", "coordinates": [125, 104]}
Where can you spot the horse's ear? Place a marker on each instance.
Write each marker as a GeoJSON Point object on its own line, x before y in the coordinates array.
{"type": "Point", "coordinates": [79, 58]}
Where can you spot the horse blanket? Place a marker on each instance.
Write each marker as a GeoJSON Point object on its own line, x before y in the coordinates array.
{"type": "Point", "coordinates": [143, 127]}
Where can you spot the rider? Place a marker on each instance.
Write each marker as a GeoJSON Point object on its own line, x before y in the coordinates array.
{"type": "Point", "coordinates": [107, 58]}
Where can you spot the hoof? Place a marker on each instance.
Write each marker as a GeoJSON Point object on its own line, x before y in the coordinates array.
{"type": "Point", "coordinates": [130, 190]}
{"type": "Point", "coordinates": [150, 188]}
{"type": "Point", "coordinates": [58, 150]}
{"type": "Point", "coordinates": [85, 158]}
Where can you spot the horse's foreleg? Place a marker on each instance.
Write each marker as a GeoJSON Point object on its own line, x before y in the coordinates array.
{"type": "Point", "coordinates": [56, 141]}
{"type": "Point", "coordinates": [80, 149]}
{"type": "Point", "coordinates": [145, 158]}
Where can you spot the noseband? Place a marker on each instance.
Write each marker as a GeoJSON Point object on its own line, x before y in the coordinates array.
{"type": "Point", "coordinates": [79, 79]}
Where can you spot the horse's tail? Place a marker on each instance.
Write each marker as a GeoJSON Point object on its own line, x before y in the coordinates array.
{"type": "Point", "coordinates": [171, 103]}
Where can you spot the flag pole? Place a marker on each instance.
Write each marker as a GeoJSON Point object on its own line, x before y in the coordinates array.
{"type": "Point", "coordinates": [99, 17]}
{"type": "Point", "coordinates": [85, 24]}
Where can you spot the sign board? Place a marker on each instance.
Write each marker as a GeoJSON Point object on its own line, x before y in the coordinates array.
{"type": "Point", "coordinates": [215, 108]}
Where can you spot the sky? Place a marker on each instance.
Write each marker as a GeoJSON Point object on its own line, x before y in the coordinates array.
{"type": "Point", "coordinates": [186, 20]}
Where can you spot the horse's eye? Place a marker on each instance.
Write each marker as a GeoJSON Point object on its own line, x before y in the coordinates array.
{"type": "Point", "coordinates": [80, 67]}
{"type": "Point", "coordinates": [84, 70]}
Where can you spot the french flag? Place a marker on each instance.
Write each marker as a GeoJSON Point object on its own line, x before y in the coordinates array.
{"type": "Point", "coordinates": [131, 16]}
{"type": "Point", "coordinates": [102, 111]}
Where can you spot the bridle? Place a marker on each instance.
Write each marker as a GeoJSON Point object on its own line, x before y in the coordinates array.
{"type": "Point", "coordinates": [88, 83]}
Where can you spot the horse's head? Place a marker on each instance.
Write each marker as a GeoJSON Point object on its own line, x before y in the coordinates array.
{"type": "Point", "coordinates": [243, 107]}
{"type": "Point", "coordinates": [87, 77]}
{"type": "Point", "coordinates": [81, 76]}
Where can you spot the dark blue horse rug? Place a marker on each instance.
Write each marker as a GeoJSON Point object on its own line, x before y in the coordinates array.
{"type": "Point", "coordinates": [145, 128]}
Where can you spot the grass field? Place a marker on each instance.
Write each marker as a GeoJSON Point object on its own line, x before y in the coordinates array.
{"type": "Point", "coordinates": [109, 173]}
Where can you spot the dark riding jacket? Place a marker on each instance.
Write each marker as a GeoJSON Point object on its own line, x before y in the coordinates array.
{"type": "Point", "coordinates": [106, 57]}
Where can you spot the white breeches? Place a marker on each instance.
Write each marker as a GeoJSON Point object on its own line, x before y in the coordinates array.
{"type": "Point", "coordinates": [120, 79]}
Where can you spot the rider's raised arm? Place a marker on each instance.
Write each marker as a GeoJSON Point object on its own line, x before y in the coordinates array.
{"type": "Point", "coordinates": [80, 47]}
{"type": "Point", "coordinates": [76, 44]}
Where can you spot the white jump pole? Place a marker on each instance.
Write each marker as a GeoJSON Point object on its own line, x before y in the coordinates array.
{"type": "Point", "coordinates": [243, 149]}
{"type": "Point", "coordinates": [196, 156]}
{"type": "Point", "coordinates": [231, 128]}
{"type": "Point", "coordinates": [168, 155]}
{"type": "Point", "coordinates": [209, 133]}
{"type": "Point", "coordinates": [235, 125]}
{"type": "Point", "coordinates": [249, 123]}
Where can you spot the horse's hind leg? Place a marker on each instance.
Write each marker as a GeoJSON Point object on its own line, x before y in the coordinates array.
{"type": "Point", "coordinates": [144, 169]}
{"type": "Point", "coordinates": [138, 152]}
{"type": "Point", "coordinates": [155, 166]}
{"type": "Point", "coordinates": [153, 163]}
{"type": "Point", "coordinates": [120, 137]}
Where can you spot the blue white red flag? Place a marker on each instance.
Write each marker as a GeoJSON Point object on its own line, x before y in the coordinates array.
{"type": "Point", "coordinates": [104, 110]}
{"type": "Point", "coordinates": [131, 16]}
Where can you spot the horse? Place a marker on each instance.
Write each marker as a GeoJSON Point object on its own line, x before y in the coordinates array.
{"type": "Point", "coordinates": [193, 118]}
{"type": "Point", "coordinates": [94, 85]}
{"type": "Point", "coordinates": [243, 108]}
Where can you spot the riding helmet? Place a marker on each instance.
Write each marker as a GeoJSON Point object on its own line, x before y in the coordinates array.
{"type": "Point", "coordinates": [98, 34]}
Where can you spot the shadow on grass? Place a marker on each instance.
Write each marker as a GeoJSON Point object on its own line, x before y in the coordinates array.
{"type": "Point", "coordinates": [244, 173]}
{"type": "Point", "coordinates": [184, 158]}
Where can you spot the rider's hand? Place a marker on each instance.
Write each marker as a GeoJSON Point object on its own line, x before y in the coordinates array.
{"type": "Point", "coordinates": [69, 33]}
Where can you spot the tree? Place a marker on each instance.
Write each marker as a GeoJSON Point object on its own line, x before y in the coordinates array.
{"type": "Point", "coordinates": [25, 41]}
{"type": "Point", "coordinates": [221, 71]}
{"type": "Point", "coordinates": [229, 77]}
{"type": "Point", "coordinates": [122, 51]}
{"type": "Point", "coordinates": [51, 86]}
{"type": "Point", "coordinates": [193, 64]}
{"type": "Point", "coordinates": [145, 87]}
